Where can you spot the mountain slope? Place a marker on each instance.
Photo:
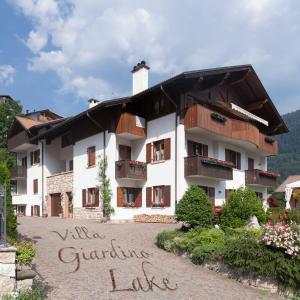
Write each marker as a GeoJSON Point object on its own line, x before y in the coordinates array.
{"type": "Point", "coordinates": [288, 161]}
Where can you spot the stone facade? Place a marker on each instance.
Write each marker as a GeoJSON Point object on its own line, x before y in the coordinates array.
{"type": "Point", "coordinates": [62, 184]}
{"type": "Point", "coordinates": [7, 269]}
{"type": "Point", "coordinates": [87, 213]}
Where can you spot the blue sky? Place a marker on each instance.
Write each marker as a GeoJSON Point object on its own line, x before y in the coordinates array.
{"type": "Point", "coordinates": [57, 54]}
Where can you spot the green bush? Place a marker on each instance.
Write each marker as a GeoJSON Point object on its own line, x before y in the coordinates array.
{"type": "Point", "coordinates": [164, 240]}
{"type": "Point", "coordinates": [194, 208]}
{"type": "Point", "coordinates": [294, 215]}
{"type": "Point", "coordinates": [244, 253]}
{"type": "Point", "coordinates": [240, 206]}
{"type": "Point", "coordinates": [276, 215]}
{"type": "Point", "coordinates": [25, 252]}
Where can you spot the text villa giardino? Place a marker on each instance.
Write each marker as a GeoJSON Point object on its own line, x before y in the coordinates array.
{"type": "Point", "coordinates": [75, 256]}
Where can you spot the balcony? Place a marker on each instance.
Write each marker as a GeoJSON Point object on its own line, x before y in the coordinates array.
{"type": "Point", "coordinates": [199, 166]}
{"type": "Point", "coordinates": [18, 172]}
{"type": "Point", "coordinates": [131, 127]}
{"type": "Point", "coordinates": [260, 178]}
{"type": "Point", "coordinates": [130, 169]}
{"type": "Point", "coordinates": [201, 119]}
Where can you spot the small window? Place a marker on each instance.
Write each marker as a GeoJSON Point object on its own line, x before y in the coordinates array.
{"type": "Point", "coordinates": [91, 152]}
{"type": "Point", "coordinates": [234, 157]}
{"type": "Point", "coordinates": [158, 195]}
{"type": "Point", "coordinates": [198, 149]}
{"type": "Point", "coordinates": [210, 192]}
{"type": "Point", "coordinates": [159, 150]}
{"type": "Point", "coordinates": [130, 195]}
{"type": "Point", "coordinates": [35, 186]}
{"type": "Point", "coordinates": [35, 157]}
{"type": "Point", "coordinates": [91, 199]}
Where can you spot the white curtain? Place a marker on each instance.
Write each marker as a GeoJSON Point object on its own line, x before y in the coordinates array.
{"type": "Point", "coordinates": [288, 195]}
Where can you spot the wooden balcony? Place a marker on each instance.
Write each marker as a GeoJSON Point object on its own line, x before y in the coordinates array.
{"type": "Point", "coordinates": [199, 166]}
{"type": "Point", "coordinates": [198, 116]}
{"type": "Point", "coordinates": [260, 178]}
{"type": "Point", "coordinates": [131, 127]}
{"type": "Point", "coordinates": [129, 169]}
{"type": "Point", "coordinates": [18, 172]}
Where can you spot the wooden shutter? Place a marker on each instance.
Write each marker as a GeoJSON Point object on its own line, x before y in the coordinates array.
{"type": "Point", "coordinates": [31, 158]}
{"type": "Point", "coordinates": [120, 197]}
{"type": "Point", "coordinates": [32, 211]}
{"type": "Point", "coordinates": [84, 198]}
{"type": "Point", "coordinates": [205, 150]}
{"type": "Point", "coordinates": [149, 197]}
{"type": "Point", "coordinates": [148, 153]}
{"type": "Point", "coordinates": [37, 158]}
{"type": "Point", "coordinates": [238, 160]}
{"type": "Point", "coordinates": [96, 197]}
{"type": "Point", "coordinates": [91, 156]}
{"type": "Point", "coordinates": [35, 186]}
{"type": "Point", "coordinates": [227, 155]}
{"type": "Point", "coordinates": [167, 195]}
{"type": "Point", "coordinates": [138, 199]}
{"type": "Point", "coordinates": [250, 163]}
{"type": "Point", "coordinates": [37, 210]}
{"type": "Point", "coordinates": [124, 152]}
{"type": "Point", "coordinates": [211, 195]}
{"type": "Point", "coordinates": [190, 148]}
{"type": "Point", "coordinates": [167, 143]}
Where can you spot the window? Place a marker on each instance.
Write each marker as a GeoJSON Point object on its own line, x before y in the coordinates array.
{"type": "Point", "coordinates": [129, 197]}
{"type": "Point", "coordinates": [210, 192]}
{"type": "Point", "coordinates": [195, 148]}
{"type": "Point", "coordinates": [24, 162]}
{"type": "Point", "coordinates": [158, 196]}
{"type": "Point", "coordinates": [91, 197]}
{"type": "Point", "coordinates": [250, 163]}
{"type": "Point", "coordinates": [259, 195]}
{"type": "Point", "coordinates": [35, 186]}
{"type": "Point", "coordinates": [159, 150]}
{"type": "Point", "coordinates": [35, 157]}
{"type": "Point", "coordinates": [124, 152]}
{"type": "Point", "coordinates": [91, 152]}
{"type": "Point", "coordinates": [71, 165]}
{"type": "Point", "coordinates": [130, 194]}
{"type": "Point", "coordinates": [234, 157]}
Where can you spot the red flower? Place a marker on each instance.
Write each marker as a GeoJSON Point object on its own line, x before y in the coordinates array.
{"type": "Point", "coordinates": [217, 208]}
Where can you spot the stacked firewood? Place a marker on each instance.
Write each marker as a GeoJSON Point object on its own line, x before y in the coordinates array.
{"type": "Point", "coordinates": [154, 219]}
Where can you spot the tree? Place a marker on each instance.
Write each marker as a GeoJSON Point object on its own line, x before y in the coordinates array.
{"type": "Point", "coordinates": [194, 208]}
{"type": "Point", "coordinates": [104, 188]}
{"type": "Point", "coordinates": [8, 110]}
{"type": "Point", "coordinates": [11, 220]}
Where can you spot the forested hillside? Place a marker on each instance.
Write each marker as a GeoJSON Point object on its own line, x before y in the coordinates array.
{"type": "Point", "coordinates": [288, 161]}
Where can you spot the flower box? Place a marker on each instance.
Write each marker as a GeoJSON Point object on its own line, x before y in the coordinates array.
{"type": "Point", "coordinates": [217, 162]}
{"type": "Point", "coordinates": [128, 204]}
{"type": "Point", "coordinates": [219, 118]}
{"type": "Point", "coordinates": [135, 163]}
{"type": "Point", "coordinates": [160, 204]}
{"type": "Point", "coordinates": [268, 174]}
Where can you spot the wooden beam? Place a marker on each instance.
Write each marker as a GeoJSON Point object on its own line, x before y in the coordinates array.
{"type": "Point", "coordinates": [277, 127]}
{"type": "Point", "coordinates": [241, 79]}
{"type": "Point", "coordinates": [256, 105]}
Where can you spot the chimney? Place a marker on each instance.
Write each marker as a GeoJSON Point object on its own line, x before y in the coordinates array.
{"type": "Point", "coordinates": [92, 102]}
{"type": "Point", "coordinates": [139, 77]}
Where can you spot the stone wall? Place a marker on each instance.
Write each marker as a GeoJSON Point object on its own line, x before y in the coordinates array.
{"type": "Point", "coordinates": [87, 213]}
{"type": "Point", "coordinates": [61, 183]}
{"type": "Point", "coordinates": [7, 269]}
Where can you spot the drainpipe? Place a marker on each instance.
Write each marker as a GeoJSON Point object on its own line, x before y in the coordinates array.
{"type": "Point", "coordinates": [176, 124]}
{"type": "Point", "coordinates": [43, 164]}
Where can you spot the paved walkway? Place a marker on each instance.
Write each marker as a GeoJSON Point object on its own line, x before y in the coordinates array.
{"type": "Point", "coordinates": [88, 260]}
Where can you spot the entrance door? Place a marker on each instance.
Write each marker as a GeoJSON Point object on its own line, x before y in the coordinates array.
{"type": "Point", "coordinates": [56, 208]}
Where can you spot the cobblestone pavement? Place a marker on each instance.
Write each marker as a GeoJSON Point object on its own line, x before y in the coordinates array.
{"type": "Point", "coordinates": [80, 259]}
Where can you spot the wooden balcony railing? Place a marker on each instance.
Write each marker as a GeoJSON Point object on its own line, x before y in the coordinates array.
{"type": "Point", "coordinates": [130, 169]}
{"type": "Point", "coordinates": [207, 167]}
{"type": "Point", "coordinates": [198, 116]}
{"type": "Point", "coordinates": [18, 172]}
{"type": "Point", "coordinates": [260, 178]}
{"type": "Point", "coordinates": [131, 126]}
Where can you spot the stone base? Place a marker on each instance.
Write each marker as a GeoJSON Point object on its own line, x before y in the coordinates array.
{"type": "Point", "coordinates": [87, 213]}
{"type": "Point", "coordinates": [7, 269]}
{"type": "Point", "coordinates": [24, 285]}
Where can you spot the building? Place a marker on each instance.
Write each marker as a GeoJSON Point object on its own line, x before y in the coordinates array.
{"type": "Point", "coordinates": [212, 128]}
{"type": "Point", "coordinates": [5, 98]}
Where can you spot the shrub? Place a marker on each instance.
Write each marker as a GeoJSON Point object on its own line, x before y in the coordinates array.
{"type": "Point", "coordinates": [240, 206]}
{"type": "Point", "coordinates": [276, 215]}
{"type": "Point", "coordinates": [164, 239]}
{"type": "Point", "coordinates": [25, 252]}
{"type": "Point", "coordinates": [194, 208]}
{"type": "Point", "coordinates": [294, 215]}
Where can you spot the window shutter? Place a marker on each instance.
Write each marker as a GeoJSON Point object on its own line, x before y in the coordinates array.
{"type": "Point", "coordinates": [205, 150]}
{"type": "Point", "coordinates": [148, 153]}
{"type": "Point", "coordinates": [35, 186]}
{"type": "Point", "coordinates": [96, 197]}
{"type": "Point", "coordinates": [32, 210]}
{"type": "Point", "coordinates": [190, 148]}
{"type": "Point", "coordinates": [167, 195]}
{"type": "Point", "coordinates": [37, 160]}
{"type": "Point", "coordinates": [238, 160]}
{"type": "Point", "coordinates": [167, 143]}
{"type": "Point", "coordinates": [211, 195]}
{"type": "Point", "coordinates": [84, 198]}
{"type": "Point", "coordinates": [31, 158]}
{"type": "Point", "coordinates": [149, 197]}
{"type": "Point", "coordinates": [120, 197]}
{"type": "Point", "coordinates": [227, 155]}
{"type": "Point", "coordinates": [92, 156]}
{"type": "Point", "coordinates": [138, 200]}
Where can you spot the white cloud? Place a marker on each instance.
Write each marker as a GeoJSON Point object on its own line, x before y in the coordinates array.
{"type": "Point", "coordinates": [89, 43]}
{"type": "Point", "coordinates": [6, 74]}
